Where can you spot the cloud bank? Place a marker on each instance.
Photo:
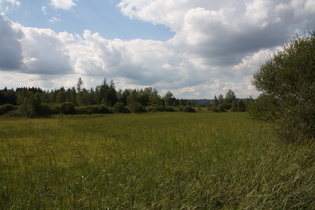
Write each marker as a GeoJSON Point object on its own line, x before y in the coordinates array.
{"type": "Point", "coordinates": [217, 46]}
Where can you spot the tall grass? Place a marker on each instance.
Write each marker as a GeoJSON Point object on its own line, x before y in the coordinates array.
{"type": "Point", "coordinates": [152, 161]}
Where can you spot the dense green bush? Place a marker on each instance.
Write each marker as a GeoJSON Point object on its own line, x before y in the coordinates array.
{"type": "Point", "coordinates": [265, 108]}
{"type": "Point", "coordinates": [289, 78]}
{"type": "Point", "coordinates": [119, 107]}
{"type": "Point", "coordinates": [6, 108]}
{"type": "Point", "coordinates": [82, 110]}
{"type": "Point", "coordinates": [241, 105]}
{"type": "Point", "coordinates": [157, 108]}
{"type": "Point", "coordinates": [93, 109]}
{"type": "Point", "coordinates": [64, 108]}
{"type": "Point", "coordinates": [224, 107]}
{"type": "Point", "coordinates": [100, 109]}
{"type": "Point", "coordinates": [297, 123]}
{"type": "Point", "coordinates": [169, 109]}
{"type": "Point", "coordinates": [213, 109]}
{"type": "Point", "coordinates": [188, 109]}
{"type": "Point", "coordinates": [136, 108]}
{"type": "Point", "coordinates": [45, 110]}
{"type": "Point", "coordinates": [14, 113]}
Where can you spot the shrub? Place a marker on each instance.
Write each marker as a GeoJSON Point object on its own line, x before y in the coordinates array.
{"type": "Point", "coordinates": [241, 105]}
{"type": "Point", "coordinates": [169, 109]}
{"type": "Point", "coordinates": [265, 107]}
{"type": "Point", "coordinates": [157, 108]}
{"type": "Point", "coordinates": [189, 109]}
{"type": "Point", "coordinates": [214, 109]}
{"type": "Point", "coordinates": [82, 110]}
{"type": "Point", "coordinates": [289, 78]}
{"type": "Point", "coordinates": [45, 110]}
{"type": "Point", "coordinates": [64, 108]}
{"type": "Point", "coordinates": [99, 109]}
{"type": "Point", "coordinates": [14, 113]}
{"type": "Point", "coordinates": [6, 108]}
{"type": "Point", "coordinates": [224, 107]}
{"type": "Point", "coordinates": [119, 107]}
{"type": "Point", "coordinates": [136, 108]}
{"type": "Point", "coordinates": [297, 123]}
{"type": "Point", "coordinates": [93, 109]}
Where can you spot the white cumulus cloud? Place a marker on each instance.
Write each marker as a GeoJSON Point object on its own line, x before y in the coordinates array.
{"type": "Point", "coordinates": [62, 4]}
{"type": "Point", "coordinates": [32, 50]}
{"type": "Point", "coordinates": [44, 52]}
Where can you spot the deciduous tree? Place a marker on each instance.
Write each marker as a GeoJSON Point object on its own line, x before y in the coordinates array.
{"type": "Point", "coordinates": [289, 78]}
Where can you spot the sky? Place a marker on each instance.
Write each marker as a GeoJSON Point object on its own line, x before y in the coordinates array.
{"type": "Point", "coordinates": [193, 48]}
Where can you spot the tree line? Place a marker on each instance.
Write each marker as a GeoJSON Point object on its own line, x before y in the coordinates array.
{"type": "Point", "coordinates": [104, 99]}
{"type": "Point", "coordinates": [230, 103]}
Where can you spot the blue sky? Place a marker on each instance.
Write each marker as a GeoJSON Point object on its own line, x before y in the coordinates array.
{"type": "Point", "coordinates": [102, 16]}
{"type": "Point", "coordinates": [195, 49]}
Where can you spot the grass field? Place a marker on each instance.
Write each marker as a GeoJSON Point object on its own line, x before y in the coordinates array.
{"type": "Point", "coordinates": [152, 161]}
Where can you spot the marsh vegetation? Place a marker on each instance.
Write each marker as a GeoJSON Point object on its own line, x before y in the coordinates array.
{"type": "Point", "coordinates": [152, 161]}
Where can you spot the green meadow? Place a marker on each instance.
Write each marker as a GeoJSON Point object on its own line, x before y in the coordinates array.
{"type": "Point", "coordinates": [175, 160]}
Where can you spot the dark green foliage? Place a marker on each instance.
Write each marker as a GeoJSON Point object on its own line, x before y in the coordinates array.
{"type": "Point", "coordinates": [6, 108]}
{"type": "Point", "coordinates": [224, 107]}
{"type": "Point", "coordinates": [17, 113]}
{"type": "Point", "coordinates": [229, 97]}
{"type": "Point", "coordinates": [188, 109]}
{"type": "Point", "coordinates": [61, 95]}
{"type": "Point", "coordinates": [24, 100]}
{"type": "Point", "coordinates": [79, 84]}
{"type": "Point", "coordinates": [136, 108]}
{"type": "Point", "coordinates": [7, 97]}
{"type": "Point", "coordinates": [234, 107]}
{"type": "Point", "coordinates": [221, 99]}
{"type": "Point", "coordinates": [155, 99]}
{"type": "Point", "coordinates": [106, 93]}
{"type": "Point", "coordinates": [169, 109]}
{"type": "Point", "coordinates": [156, 108]}
{"type": "Point", "coordinates": [169, 99]}
{"type": "Point", "coordinates": [297, 123]}
{"type": "Point", "coordinates": [100, 109]}
{"type": "Point", "coordinates": [214, 109]}
{"type": "Point", "coordinates": [64, 108]}
{"type": "Point", "coordinates": [119, 107]}
{"type": "Point", "coordinates": [123, 96]}
{"type": "Point", "coordinates": [216, 101]}
{"type": "Point", "coordinates": [265, 107]}
{"type": "Point", "coordinates": [93, 109]}
{"type": "Point", "coordinates": [289, 78]}
{"type": "Point", "coordinates": [229, 103]}
{"type": "Point", "coordinates": [46, 109]}
{"type": "Point", "coordinates": [34, 102]}
{"type": "Point", "coordinates": [82, 110]}
{"type": "Point", "coordinates": [241, 105]}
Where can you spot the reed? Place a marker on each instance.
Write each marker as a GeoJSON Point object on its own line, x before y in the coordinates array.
{"type": "Point", "coordinates": [152, 161]}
